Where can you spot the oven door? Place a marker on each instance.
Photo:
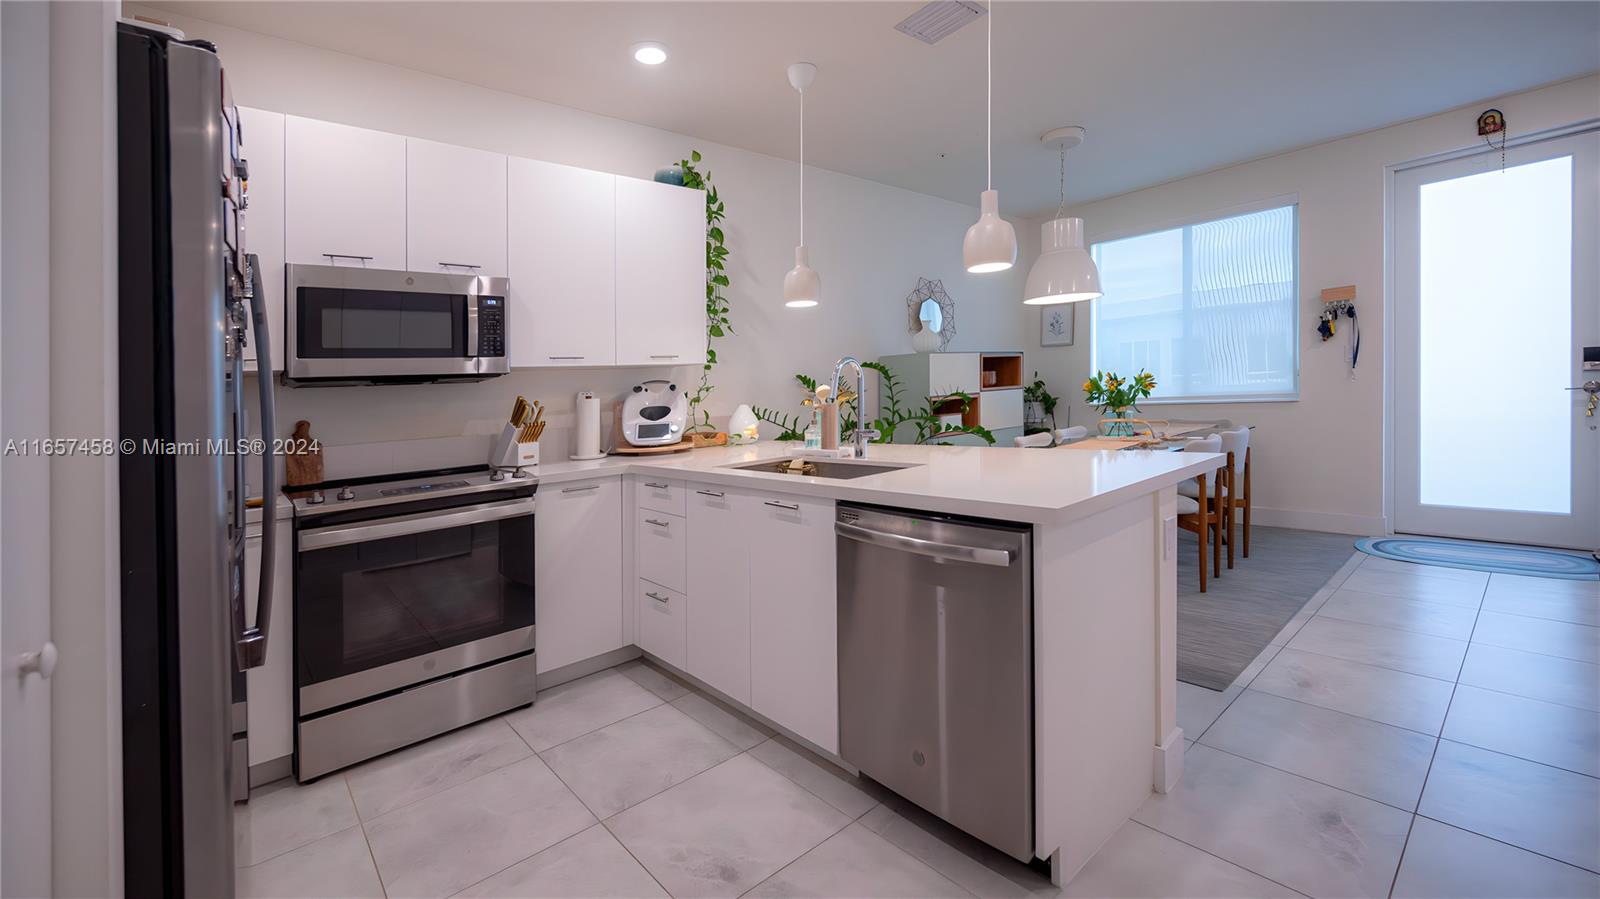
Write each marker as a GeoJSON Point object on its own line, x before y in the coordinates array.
{"type": "Point", "coordinates": [384, 604]}
{"type": "Point", "coordinates": [370, 324]}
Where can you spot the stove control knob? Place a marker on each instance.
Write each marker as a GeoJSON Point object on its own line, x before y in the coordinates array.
{"type": "Point", "coordinates": [316, 498]}
{"type": "Point", "coordinates": [346, 494]}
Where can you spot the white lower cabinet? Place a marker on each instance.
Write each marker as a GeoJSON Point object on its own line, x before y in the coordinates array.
{"type": "Point", "coordinates": [659, 541]}
{"type": "Point", "coordinates": [663, 616]}
{"type": "Point", "coordinates": [719, 587]}
{"type": "Point", "coordinates": [270, 713]}
{"type": "Point", "coordinates": [794, 671]}
{"type": "Point", "coordinates": [578, 590]}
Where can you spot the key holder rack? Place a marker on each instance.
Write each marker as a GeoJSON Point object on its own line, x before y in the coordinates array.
{"type": "Point", "coordinates": [1339, 303]}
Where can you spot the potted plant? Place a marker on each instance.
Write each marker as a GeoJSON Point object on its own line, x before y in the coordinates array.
{"type": "Point", "coordinates": [1038, 404]}
{"type": "Point", "coordinates": [1115, 395]}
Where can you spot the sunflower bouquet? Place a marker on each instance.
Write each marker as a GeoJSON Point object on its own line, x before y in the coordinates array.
{"type": "Point", "coordinates": [1115, 394]}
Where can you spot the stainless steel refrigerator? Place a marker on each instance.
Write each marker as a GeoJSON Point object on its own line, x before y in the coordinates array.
{"type": "Point", "coordinates": [186, 286]}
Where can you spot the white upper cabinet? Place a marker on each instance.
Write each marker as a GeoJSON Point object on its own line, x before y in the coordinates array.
{"type": "Point", "coordinates": [345, 195]}
{"type": "Point", "coordinates": [455, 209]}
{"type": "Point", "coordinates": [561, 236]}
{"type": "Point", "coordinates": [263, 222]}
{"type": "Point", "coordinates": [661, 274]}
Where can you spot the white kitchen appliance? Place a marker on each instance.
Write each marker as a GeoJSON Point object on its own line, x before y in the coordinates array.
{"type": "Point", "coordinates": [655, 414]}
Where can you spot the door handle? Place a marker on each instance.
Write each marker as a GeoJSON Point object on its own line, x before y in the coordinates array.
{"type": "Point", "coordinates": [659, 524]}
{"type": "Point", "coordinates": [580, 489]}
{"type": "Point", "coordinates": [932, 548]}
{"type": "Point", "coordinates": [42, 662]}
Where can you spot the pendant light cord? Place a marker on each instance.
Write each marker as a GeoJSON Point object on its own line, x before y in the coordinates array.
{"type": "Point", "coordinates": [1063, 207]}
{"type": "Point", "coordinates": [802, 168]}
{"type": "Point", "coordinates": [989, 101]}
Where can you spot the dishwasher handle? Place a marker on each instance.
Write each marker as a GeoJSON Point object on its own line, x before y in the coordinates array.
{"type": "Point", "coordinates": [952, 552]}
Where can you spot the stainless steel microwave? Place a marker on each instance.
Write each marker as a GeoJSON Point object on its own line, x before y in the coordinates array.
{"type": "Point", "coordinates": [362, 325]}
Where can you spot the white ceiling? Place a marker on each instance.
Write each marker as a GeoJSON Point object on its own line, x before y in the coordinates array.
{"type": "Point", "coordinates": [1166, 89]}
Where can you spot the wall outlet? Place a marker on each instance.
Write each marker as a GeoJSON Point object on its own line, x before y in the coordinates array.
{"type": "Point", "coordinates": [1169, 538]}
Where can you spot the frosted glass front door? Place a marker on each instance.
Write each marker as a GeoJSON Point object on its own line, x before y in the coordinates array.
{"type": "Point", "coordinates": [1493, 305]}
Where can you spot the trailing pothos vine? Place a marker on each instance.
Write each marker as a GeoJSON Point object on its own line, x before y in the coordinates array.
{"type": "Point", "coordinates": [925, 420]}
{"type": "Point", "coordinates": [717, 322]}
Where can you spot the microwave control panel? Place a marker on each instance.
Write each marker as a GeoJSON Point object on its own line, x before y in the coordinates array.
{"type": "Point", "coordinates": [491, 326]}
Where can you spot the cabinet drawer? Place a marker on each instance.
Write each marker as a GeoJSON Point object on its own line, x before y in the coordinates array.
{"type": "Point", "coordinates": [660, 548]}
{"type": "Point", "coordinates": [999, 409]}
{"type": "Point", "coordinates": [663, 621]}
{"type": "Point", "coordinates": [661, 495]}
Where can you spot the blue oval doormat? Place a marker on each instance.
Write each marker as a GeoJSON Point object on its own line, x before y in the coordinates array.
{"type": "Point", "coordinates": [1525, 560]}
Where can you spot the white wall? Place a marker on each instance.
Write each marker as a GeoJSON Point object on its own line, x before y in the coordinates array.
{"type": "Point", "coordinates": [868, 241]}
{"type": "Point", "coordinates": [1319, 461]}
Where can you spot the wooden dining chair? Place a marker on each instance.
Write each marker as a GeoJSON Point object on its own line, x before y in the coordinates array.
{"type": "Point", "coordinates": [1237, 444]}
{"type": "Point", "coordinates": [1043, 438]}
{"type": "Point", "coordinates": [1202, 513]}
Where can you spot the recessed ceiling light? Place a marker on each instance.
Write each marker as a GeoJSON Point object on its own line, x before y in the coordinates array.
{"type": "Point", "coordinates": [650, 53]}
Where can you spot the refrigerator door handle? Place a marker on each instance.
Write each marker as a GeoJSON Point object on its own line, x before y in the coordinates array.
{"type": "Point", "coordinates": [250, 644]}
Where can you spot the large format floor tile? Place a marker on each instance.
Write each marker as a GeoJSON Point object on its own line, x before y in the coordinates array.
{"type": "Point", "coordinates": [725, 722]}
{"type": "Point", "coordinates": [1436, 618]}
{"type": "Point", "coordinates": [1367, 758]}
{"type": "Point", "coordinates": [978, 868]}
{"type": "Point", "coordinates": [654, 679]}
{"type": "Point", "coordinates": [1386, 647]}
{"type": "Point", "coordinates": [1307, 836]}
{"type": "Point", "coordinates": [1411, 569]}
{"type": "Point", "coordinates": [1546, 810]}
{"type": "Point", "coordinates": [1381, 694]}
{"type": "Point", "coordinates": [1138, 861]}
{"type": "Point", "coordinates": [337, 866]}
{"type": "Point", "coordinates": [576, 708]}
{"type": "Point", "coordinates": [857, 862]}
{"type": "Point", "coordinates": [1541, 635]}
{"type": "Point", "coordinates": [453, 839]}
{"type": "Point", "coordinates": [1558, 600]}
{"type": "Point", "coordinates": [386, 783]}
{"type": "Point", "coordinates": [1444, 862]}
{"type": "Point", "coordinates": [285, 816]}
{"type": "Point", "coordinates": [626, 763]}
{"type": "Point", "coordinates": [1412, 585]}
{"type": "Point", "coordinates": [589, 864]}
{"type": "Point", "coordinates": [726, 830]}
{"type": "Point", "coordinates": [1198, 707]}
{"type": "Point", "coordinates": [1533, 675]}
{"type": "Point", "coordinates": [1543, 732]}
{"type": "Point", "coordinates": [830, 784]}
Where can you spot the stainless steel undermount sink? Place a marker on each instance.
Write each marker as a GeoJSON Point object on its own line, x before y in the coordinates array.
{"type": "Point", "coordinates": [822, 468]}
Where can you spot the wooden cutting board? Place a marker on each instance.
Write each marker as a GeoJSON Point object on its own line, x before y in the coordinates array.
{"type": "Point", "coordinates": [301, 463]}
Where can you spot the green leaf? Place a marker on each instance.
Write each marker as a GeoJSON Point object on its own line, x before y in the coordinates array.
{"type": "Point", "coordinates": [694, 155]}
{"type": "Point", "coordinates": [721, 280]}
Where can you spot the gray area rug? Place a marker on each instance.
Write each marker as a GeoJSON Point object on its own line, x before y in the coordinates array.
{"type": "Point", "coordinates": [1221, 631]}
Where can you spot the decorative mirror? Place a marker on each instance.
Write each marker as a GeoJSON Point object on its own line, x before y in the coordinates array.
{"type": "Point", "coordinates": [931, 316]}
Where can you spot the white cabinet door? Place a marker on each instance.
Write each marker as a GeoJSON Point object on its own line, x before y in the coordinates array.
{"type": "Point", "coordinates": [998, 409]}
{"type": "Point", "coordinates": [270, 712]}
{"type": "Point", "coordinates": [263, 222]}
{"type": "Point", "coordinates": [660, 548]}
{"type": "Point", "coordinates": [455, 209]}
{"type": "Point", "coordinates": [577, 538]}
{"type": "Point", "coordinates": [663, 614]}
{"type": "Point", "coordinates": [794, 672]}
{"type": "Point", "coordinates": [345, 195]}
{"type": "Point", "coordinates": [661, 274]}
{"type": "Point", "coordinates": [561, 239]}
{"type": "Point", "coordinates": [719, 587]}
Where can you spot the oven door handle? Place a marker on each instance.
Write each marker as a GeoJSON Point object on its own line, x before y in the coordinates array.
{"type": "Point", "coordinates": [322, 538]}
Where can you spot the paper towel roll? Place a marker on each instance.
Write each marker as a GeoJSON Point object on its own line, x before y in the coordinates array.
{"type": "Point", "coordinates": [588, 426]}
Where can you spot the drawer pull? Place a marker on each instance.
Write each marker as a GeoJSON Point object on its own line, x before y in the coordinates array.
{"type": "Point", "coordinates": [792, 507]}
{"type": "Point", "coordinates": [656, 596]}
{"type": "Point", "coordinates": [657, 486]}
{"type": "Point", "coordinates": [659, 524]}
{"type": "Point", "coordinates": [715, 494]}
{"type": "Point", "coordinates": [580, 489]}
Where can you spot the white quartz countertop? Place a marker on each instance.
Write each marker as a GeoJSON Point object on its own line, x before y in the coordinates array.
{"type": "Point", "coordinates": [1005, 483]}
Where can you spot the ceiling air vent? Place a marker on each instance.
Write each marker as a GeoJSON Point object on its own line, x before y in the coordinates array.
{"type": "Point", "coordinates": [939, 19]}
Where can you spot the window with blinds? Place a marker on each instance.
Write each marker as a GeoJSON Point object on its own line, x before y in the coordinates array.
{"type": "Point", "coordinates": [1210, 309]}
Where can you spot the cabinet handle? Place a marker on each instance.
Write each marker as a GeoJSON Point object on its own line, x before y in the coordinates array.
{"type": "Point", "coordinates": [580, 489]}
{"type": "Point", "coordinates": [657, 486]}
{"type": "Point", "coordinates": [792, 507]}
{"type": "Point", "coordinates": [566, 357]}
{"type": "Point", "coordinates": [716, 494]}
{"type": "Point", "coordinates": [656, 596]}
{"type": "Point", "coordinates": [459, 265]}
{"type": "Point", "coordinates": [669, 356]}
{"type": "Point", "coordinates": [332, 256]}
{"type": "Point", "coordinates": [659, 524]}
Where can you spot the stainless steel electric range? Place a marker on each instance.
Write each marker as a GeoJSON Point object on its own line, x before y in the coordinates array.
{"type": "Point", "coordinates": [413, 610]}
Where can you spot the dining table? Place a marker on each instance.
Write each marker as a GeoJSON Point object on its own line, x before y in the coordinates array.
{"type": "Point", "coordinates": [1173, 437]}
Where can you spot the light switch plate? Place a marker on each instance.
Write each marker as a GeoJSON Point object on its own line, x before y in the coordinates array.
{"type": "Point", "coordinates": [1169, 538]}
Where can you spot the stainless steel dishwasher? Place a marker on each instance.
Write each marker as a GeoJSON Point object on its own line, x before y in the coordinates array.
{"type": "Point", "coordinates": [936, 665]}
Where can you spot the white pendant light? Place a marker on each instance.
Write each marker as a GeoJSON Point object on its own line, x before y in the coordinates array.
{"type": "Point", "coordinates": [991, 243]}
{"type": "Point", "coordinates": [801, 286]}
{"type": "Point", "coordinates": [1064, 271]}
